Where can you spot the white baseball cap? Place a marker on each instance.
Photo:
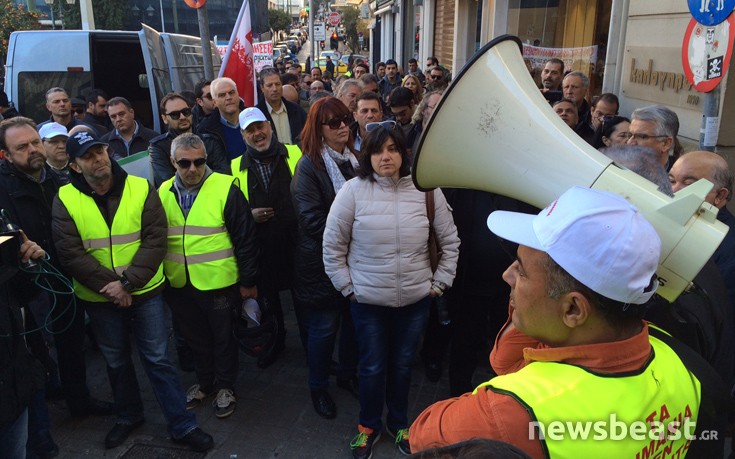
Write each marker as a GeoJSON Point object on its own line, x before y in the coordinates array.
{"type": "Point", "coordinates": [51, 130]}
{"type": "Point", "coordinates": [251, 115]}
{"type": "Point", "coordinates": [599, 238]}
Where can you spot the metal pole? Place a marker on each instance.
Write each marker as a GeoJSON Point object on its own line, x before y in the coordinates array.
{"type": "Point", "coordinates": [87, 13]}
{"type": "Point", "coordinates": [206, 46]}
{"type": "Point", "coordinates": [53, 21]}
{"type": "Point", "coordinates": [311, 30]}
{"type": "Point", "coordinates": [710, 120]}
{"type": "Point", "coordinates": [163, 23]}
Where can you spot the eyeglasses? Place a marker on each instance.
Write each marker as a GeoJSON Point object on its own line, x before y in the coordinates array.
{"type": "Point", "coordinates": [186, 163]}
{"type": "Point", "coordinates": [644, 137]}
{"type": "Point", "coordinates": [336, 123]}
{"type": "Point", "coordinates": [78, 111]}
{"type": "Point", "coordinates": [436, 77]}
{"type": "Point", "coordinates": [177, 114]}
{"type": "Point", "coordinates": [207, 96]}
{"type": "Point", "coordinates": [389, 125]}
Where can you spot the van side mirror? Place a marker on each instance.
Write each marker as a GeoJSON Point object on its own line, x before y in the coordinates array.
{"type": "Point", "coordinates": [143, 81]}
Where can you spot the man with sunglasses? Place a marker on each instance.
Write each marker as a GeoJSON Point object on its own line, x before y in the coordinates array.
{"type": "Point", "coordinates": [205, 102]}
{"type": "Point", "coordinates": [178, 117]}
{"type": "Point", "coordinates": [110, 230]}
{"type": "Point", "coordinates": [436, 80]}
{"type": "Point", "coordinates": [211, 266]}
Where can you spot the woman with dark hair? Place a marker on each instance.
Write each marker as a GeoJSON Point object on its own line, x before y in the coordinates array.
{"type": "Point", "coordinates": [327, 163]}
{"type": "Point", "coordinates": [376, 253]}
{"type": "Point", "coordinates": [612, 131]}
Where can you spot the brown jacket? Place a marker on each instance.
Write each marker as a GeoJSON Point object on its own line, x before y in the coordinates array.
{"type": "Point", "coordinates": [80, 265]}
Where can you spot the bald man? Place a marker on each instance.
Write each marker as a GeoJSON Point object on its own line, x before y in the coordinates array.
{"type": "Point", "coordinates": [290, 94]}
{"type": "Point", "coordinates": [707, 165]}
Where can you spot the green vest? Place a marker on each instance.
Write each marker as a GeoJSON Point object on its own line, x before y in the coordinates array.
{"type": "Point", "coordinates": [294, 154]}
{"type": "Point", "coordinates": [113, 247]}
{"type": "Point", "coordinates": [199, 245]}
{"type": "Point", "coordinates": [571, 399]}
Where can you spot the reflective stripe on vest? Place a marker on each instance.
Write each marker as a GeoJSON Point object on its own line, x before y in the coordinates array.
{"type": "Point", "coordinates": [112, 248]}
{"type": "Point", "coordinates": [558, 395]}
{"type": "Point", "coordinates": [294, 154]}
{"type": "Point", "coordinates": [199, 246]}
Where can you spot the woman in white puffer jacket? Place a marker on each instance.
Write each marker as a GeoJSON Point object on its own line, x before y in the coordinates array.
{"type": "Point", "coordinates": [376, 253]}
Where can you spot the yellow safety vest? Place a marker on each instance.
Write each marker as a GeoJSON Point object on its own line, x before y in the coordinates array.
{"type": "Point", "coordinates": [114, 248]}
{"type": "Point", "coordinates": [570, 399]}
{"type": "Point", "coordinates": [199, 245]}
{"type": "Point", "coordinates": [294, 154]}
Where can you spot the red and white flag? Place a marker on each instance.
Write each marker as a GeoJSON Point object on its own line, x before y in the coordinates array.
{"type": "Point", "coordinates": [238, 61]}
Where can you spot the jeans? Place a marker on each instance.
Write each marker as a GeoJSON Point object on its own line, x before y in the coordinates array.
{"type": "Point", "coordinates": [13, 438]}
{"type": "Point", "coordinates": [387, 338]}
{"type": "Point", "coordinates": [322, 326]}
{"type": "Point", "coordinates": [146, 319]}
{"type": "Point", "coordinates": [205, 320]}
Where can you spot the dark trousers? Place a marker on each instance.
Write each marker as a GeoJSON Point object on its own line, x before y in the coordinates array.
{"type": "Point", "coordinates": [476, 321]}
{"type": "Point", "coordinates": [205, 319]}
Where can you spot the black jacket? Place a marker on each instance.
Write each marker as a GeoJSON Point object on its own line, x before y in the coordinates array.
{"type": "Point", "coordinates": [241, 228]}
{"type": "Point", "coordinates": [139, 142]}
{"type": "Point", "coordinates": [21, 375]}
{"type": "Point", "coordinates": [210, 130]}
{"type": "Point", "coordinates": [276, 236]}
{"type": "Point", "coordinates": [313, 194]}
{"type": "Point", "coordinates": [28, 203]}
{"type": "Point", "coordinates": [296, 118]}
{"type": "Point", "coordinates": [101, 124]}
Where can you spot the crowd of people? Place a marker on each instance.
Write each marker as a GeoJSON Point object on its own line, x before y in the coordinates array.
{"type": "Point", "coordinates": [309, 194]}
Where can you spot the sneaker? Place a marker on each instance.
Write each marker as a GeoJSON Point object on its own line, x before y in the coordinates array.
{"type": "Point", "coordinates": [195, 396]}
{"type": "Point", "coordinates": [401, 436]}
{"type": "Point", "coordinates": [224, 403]}
{"type": "Point", "coordinates": [362, 444]}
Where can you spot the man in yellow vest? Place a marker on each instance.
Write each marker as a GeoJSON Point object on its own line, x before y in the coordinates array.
{"type": "Point", "coordinates": [109, 230]}
{"type": "Point", "coordinates": [264, 174]}
{"type": "Point", "coordinates": [211, 264]}
{"type": "Point", "coordinates": [580, 374]}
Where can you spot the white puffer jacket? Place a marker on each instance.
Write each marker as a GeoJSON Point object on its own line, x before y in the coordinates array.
{"type": "Point", "coordinates": [376, 242]}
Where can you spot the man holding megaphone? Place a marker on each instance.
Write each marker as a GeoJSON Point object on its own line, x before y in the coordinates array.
{"type": "Point", "coordinates": [575, 352]}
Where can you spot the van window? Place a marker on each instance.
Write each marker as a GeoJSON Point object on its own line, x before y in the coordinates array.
{"type": "Point", "coordinates": [32, 87]}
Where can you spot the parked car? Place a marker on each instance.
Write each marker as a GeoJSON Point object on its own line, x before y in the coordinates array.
{"type": "Point", "coordinates": [345, 58]}
{"type": "Point", "coordinates": [322, 62]}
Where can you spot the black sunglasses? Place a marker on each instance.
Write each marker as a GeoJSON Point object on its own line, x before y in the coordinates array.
{"type": "Point", "coordinates": [78, 111]}
{"type": "Point", "coordinates": [177, 114]}
{"type": "Point", "coordinates": [186, 163]}
{"type": "Point", "coordinates": [335, 123]}
{"type": "Point", "coordinates": [388, 124]}
{"type": "Point", "coordinates": [436, 77]}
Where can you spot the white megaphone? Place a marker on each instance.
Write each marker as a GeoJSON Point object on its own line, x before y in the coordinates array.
{"type": "Point", "coordinates": [494, 131]}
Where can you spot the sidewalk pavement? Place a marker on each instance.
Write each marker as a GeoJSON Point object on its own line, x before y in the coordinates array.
{"type": "Point", "coordinates": [274, 416]}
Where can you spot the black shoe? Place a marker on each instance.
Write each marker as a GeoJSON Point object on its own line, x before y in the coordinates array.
{"type": "Point", "coordinates": [93, 407]}
{"type": "Point", "coordinates": [433, 371]}
{"type": "Point", "coordinates": [197, 440]}
{"type": "Point", "coordinates": [323, 404]}
{"type": "Point", "coordinates": [119, 433]}
{"type": "Point", "coordinates": [42, 446]}
{"type": "Point", "coordinates": [350, 385]}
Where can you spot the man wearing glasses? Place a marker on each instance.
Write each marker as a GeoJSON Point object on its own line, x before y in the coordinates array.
{"type": "Point", "coordinates": [205, 102]}
{"type": "Point", "coordinates": [178, 117]}
{"type": "Point", "coordinates": [211, 264]}
{"type": "Point", "coordinates": [436, 81]}
{"type": "Point", "coordinates": [656, 126]}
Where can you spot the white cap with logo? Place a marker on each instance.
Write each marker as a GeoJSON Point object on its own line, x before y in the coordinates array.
{"type": "Point", "coordinates": [249, 116]}
{"type": "Point", "coordinates": [51, 130]}
{"type": "Point", "coordinates": [599, 238]}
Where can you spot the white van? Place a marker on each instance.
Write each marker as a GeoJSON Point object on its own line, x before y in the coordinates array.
{"type": "Point", "coordinates": [140, 66]}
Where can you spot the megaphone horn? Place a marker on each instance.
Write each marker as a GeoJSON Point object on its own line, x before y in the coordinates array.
{"type": "Point", "coordinates": [494, 131]}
